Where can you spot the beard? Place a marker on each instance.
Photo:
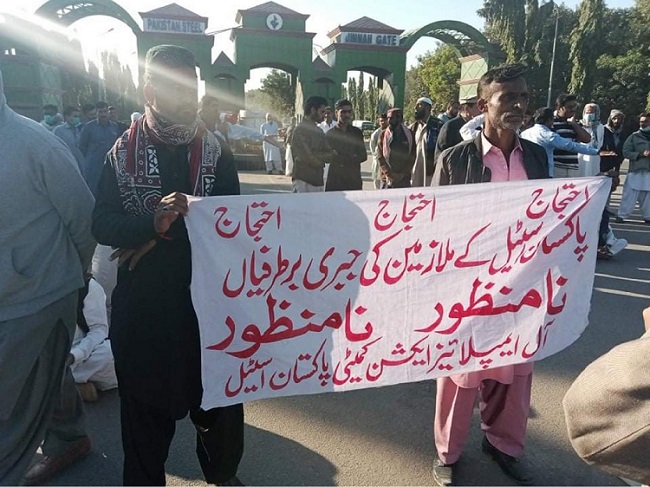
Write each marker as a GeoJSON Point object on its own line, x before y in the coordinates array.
{"type": "Point", "coordinates": [507, 123]}
{"type": "Point", "coordinates": [420, 115]}
{"type": "Point", "coordinates": [514, 126]}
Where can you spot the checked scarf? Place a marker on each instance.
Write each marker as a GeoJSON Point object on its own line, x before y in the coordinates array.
{"type": "Point", "coordinates": [388, 139]}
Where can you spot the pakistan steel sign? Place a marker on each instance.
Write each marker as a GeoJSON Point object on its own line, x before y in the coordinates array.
{"type": "Point", "coordinates": [174, 26]}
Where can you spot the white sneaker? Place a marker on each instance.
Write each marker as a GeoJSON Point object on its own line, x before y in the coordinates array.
{"type": "Point", "coordinates": [617, 245]}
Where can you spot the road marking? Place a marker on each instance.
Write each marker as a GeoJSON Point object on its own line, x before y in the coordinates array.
{"type": "Point", "coordinates": [621, 293]}
{"type": "Point", "coordinates": [643, 281]}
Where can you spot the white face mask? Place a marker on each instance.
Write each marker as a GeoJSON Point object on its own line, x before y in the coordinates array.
{"type": "Point", "coordinates": [590, 118]}
{"type": "Point", "coordinates": [645, 129]}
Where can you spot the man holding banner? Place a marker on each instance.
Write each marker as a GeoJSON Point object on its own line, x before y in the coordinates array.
{"type": "Point", "coordinates": [165, 156]}
{"type": "Point", "coordinates": [497, 155]}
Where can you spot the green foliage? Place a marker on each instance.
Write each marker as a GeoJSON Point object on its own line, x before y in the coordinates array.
{"type": "Point", "coordinates": [440, 74]}
{"type": "Point", "coordinates": [74, 78]}
{"type": "Point", "coordinates": [436, 76]}
{"type": "Point", "coordinates": [258, 100]}
{"type": "Point", "coordinates": [532, 42]}
{"type": "Point", "coordinates": [367, 102]}
{"type": "Point", "coordinates": [95, 84]}
{"type": "Point", "coordinates": [118, 88]}
{"type": "Point", "coordinates": [506, 23]}
{"type": "Point", "coordinates": [600, 52]}
{"type": "Point", "coordinates": [623, 82]}
{"type": "Point", "coordinates": [277, 85]}
{"type": "Point", "coordinates": [586, 46]}
{"type": "Point", "coordinates": [621, 79]}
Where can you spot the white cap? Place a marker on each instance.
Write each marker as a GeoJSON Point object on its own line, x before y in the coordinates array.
{"type": "Point", "coordinates": [426, 100]}
{"type": "Point", "coordinates": [135, 116]}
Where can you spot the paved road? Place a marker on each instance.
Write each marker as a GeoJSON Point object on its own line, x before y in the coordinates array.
{"type": "Point", "coordinates": [384, 436]}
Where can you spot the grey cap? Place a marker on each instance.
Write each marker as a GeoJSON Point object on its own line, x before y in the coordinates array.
{"type": "Point", "coordinates": [469, 100]}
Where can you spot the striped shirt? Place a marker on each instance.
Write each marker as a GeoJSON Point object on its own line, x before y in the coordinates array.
{"type": "Point", "coordinates": [562, 158]}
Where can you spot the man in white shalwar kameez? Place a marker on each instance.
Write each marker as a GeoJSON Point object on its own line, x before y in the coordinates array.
{"type": "Point", "coordinates": [272, 156]}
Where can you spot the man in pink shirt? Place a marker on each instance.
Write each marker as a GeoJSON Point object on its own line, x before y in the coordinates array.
{"type": "Point", "coordinates": [497, 155]}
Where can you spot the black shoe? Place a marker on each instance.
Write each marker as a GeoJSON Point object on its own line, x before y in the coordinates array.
{"type": "Point", "coordinates": [620, 220]}
{"type": "Point", "coordinates": [510, 465]}
{"type": "Point", "coordinates": [604, 253]}
{"type": "Point", "coordinates": [231, 481]}
{"type": "Point", "coordinates": [269, 172]}
{"type": "Point", "coordinates": [443, 474]}
{"type": "Point", "coordinates": [647, 222]}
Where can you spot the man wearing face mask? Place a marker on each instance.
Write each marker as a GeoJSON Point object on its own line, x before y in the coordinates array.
{"type": "Point", "coordinates": [141, 200]}
{"type": "Point", "coordinates": [590, 165]}
{"type": "Point", "coordinates": [69, 133]}
{"type": "Point", "coordinates": [347, 141]}
{"type": "Point", "coordinates": [425, 130]}
{"type": "Point", "coordinates": [637, 183]}
{"type": "Point", "coordinates": [51, 117]}
{"type": "Point", "coordinates": [608, 244]}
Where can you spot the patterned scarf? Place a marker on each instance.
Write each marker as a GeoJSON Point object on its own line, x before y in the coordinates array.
{"type": "Point", "coordinates": [135, 160]}
{"type": "Point", "coordinates": [388, 139]}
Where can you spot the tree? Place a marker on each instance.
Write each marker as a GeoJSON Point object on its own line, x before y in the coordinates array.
{"type": "Point", "coordinates": [414, 88]}
{"type": "Point", "coordinates": [360, 111]}
{"type": "Point", "coordinates": [258, 100]}
{"type": "Point", "coordinates": [586, 47]}
{"type": "Point", "coordinates": [505, 22]}
{"type": "Point", "coordinates": [525, 32]}
{"type": "Point", "coordinates": [74, 78]}
{"type": "Point", "coordinates": [282, 95]}
{"type": "Point", "coordinates": [623, 82]}
{"type": "Point", "coordinates": [351, 94]}
{"type": "Point", "coordinates": [436, 76]}
{"type": "Point", "coordinates": [368, 103]}
{"type": "Point", "coordinates": [118, 88]}
{"type": "Point", "coordinates": [601, 55]}
{"type": "Point", "coordinates": [621, 79]}
{"type": "Point", "coordinates": [440, 73]}
{"type": "Point", "coordinates": [95, 82]}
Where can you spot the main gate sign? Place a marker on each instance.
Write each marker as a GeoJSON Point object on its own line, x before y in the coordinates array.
{"type": "Point", "coordinates": [369, 39]}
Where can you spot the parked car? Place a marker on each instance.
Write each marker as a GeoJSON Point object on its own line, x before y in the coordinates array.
{"type": "Point", "coordinates": [364, 125]}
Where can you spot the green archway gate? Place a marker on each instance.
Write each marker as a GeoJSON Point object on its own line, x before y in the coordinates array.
{"type": "Point", "coordinates": [269, 35]}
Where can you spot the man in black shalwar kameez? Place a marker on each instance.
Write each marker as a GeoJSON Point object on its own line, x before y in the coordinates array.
{"type": "Point", "coordinates": [163, 157]}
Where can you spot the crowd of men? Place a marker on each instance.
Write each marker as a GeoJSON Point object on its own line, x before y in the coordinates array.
{"type": "Point", "coordinates": [407, 156]}
{"type": "Point", "coordinates": [94, 182]}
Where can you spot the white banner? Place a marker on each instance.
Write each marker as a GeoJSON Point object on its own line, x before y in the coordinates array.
{"type": "Point", "coordinates": [308, 293]}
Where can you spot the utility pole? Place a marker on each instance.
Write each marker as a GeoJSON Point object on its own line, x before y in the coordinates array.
{"type": "Point", "coordinates": [550, 77]}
